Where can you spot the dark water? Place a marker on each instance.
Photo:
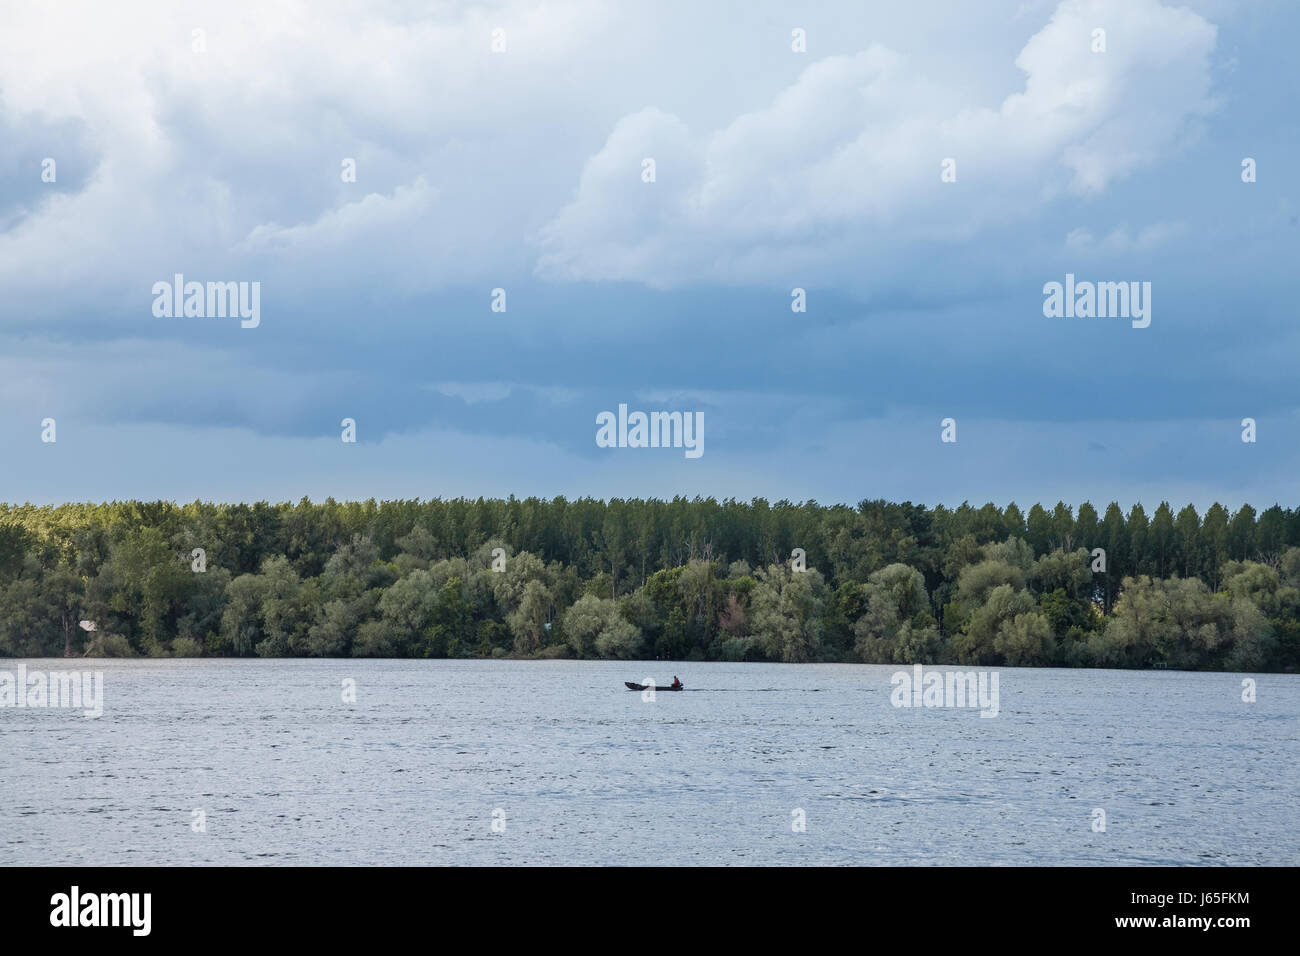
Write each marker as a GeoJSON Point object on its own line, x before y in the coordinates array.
{"type": "Point", "coordinates": [580, 770]}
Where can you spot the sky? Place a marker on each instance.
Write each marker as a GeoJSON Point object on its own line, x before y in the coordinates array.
{"type": "Point", "coordinates": [503, 146]}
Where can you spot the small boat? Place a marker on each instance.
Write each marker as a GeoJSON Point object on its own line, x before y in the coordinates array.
{"type": "Point", "coordinates": [632, 686]}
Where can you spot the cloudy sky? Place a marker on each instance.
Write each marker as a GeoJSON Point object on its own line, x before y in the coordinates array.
{"type": "Point", "coordinates": [522, 169]}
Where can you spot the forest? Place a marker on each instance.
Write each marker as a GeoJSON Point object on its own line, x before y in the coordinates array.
{"type": "Point", "coordinates": [681, 579]}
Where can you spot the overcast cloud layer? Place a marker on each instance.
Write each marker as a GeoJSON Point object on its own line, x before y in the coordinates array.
{"type": "Point", "coordinates": [522, 170]}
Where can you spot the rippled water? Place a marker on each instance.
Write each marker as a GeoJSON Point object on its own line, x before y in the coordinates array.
{"type": "Point", "coordinates": [581, 770]}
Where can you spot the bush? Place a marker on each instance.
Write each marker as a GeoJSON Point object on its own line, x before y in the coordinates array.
{"type": "Point", "coordinates": [110, 645]}
{"type": "Point", "coordinates": [732, 648]}
{"type": "Point", "coordinates": [186, 647]}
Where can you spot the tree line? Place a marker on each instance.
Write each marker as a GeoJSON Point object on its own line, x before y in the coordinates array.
{"type": "Point", "coordinates": [694, 579]}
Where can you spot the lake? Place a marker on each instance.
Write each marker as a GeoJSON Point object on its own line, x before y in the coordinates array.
{"type": "Point", "coordinates": [555, 762]}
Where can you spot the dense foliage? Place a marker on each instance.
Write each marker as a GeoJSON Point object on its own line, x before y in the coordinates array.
{"type": "Point", "coordinates": [693, 579]}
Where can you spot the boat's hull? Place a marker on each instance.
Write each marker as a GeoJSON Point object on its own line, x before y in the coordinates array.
{"type": "Point", "coordinates": [632, 686]}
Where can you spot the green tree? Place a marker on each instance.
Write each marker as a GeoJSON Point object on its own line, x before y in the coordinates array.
{"type": "Point", "coordinates": [897, 627]}
{"type": "Point", "coordinates": [786, 613]}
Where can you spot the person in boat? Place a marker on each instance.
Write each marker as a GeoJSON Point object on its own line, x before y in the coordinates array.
{"type": "Point", "coordinates": [676, 682]}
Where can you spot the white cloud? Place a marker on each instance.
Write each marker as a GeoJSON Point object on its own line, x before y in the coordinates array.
{"type": "Point", "coordinates": [854, 148]}
{"type": "Point", "coordinates": [204, 159]}
{"type": "Point", "coordinates": [1121, 240]}
{"type": "Point", "coordinates": [199, 158]}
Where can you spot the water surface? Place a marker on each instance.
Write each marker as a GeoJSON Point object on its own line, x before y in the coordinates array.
{"type": "Point", "coordinates": [579, 770]}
